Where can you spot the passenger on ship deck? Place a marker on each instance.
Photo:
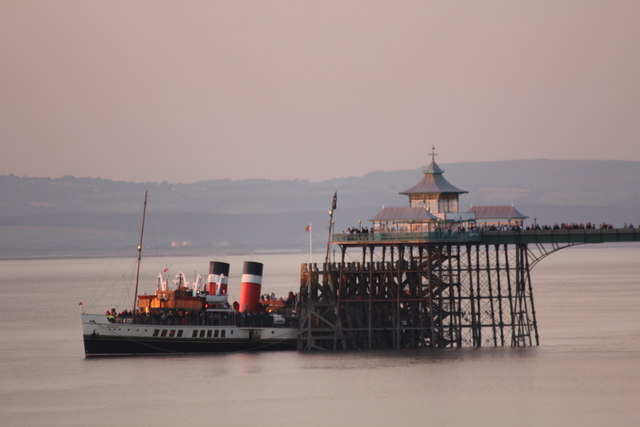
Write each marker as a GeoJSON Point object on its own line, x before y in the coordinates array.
{"type": "Point", "coordinates": [291, 300]}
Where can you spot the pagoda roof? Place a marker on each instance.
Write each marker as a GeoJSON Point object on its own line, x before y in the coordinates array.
{"type": "Point", "coordinates": [404, 214]}
{"type": "Point", "coordinates": [496, 212]}
{"type": "Point", "coordinates": [433, 181]}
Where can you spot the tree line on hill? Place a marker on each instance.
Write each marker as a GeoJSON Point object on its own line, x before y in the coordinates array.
{"type": "Point", "coordinates": [91, 216]}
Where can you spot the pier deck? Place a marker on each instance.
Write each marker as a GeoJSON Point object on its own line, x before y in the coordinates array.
{"type": "Point", "coordinates": [492, 237]}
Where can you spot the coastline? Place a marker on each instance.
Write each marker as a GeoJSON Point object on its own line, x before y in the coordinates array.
{"type": "Point", "coordinates": [47, 255]}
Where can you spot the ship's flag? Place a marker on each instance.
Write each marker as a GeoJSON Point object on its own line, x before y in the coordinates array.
{"type": "Point", "coordinates": [308, 228]}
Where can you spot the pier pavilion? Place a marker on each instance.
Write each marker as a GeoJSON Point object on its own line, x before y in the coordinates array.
{"type": "Point", "coordinates": [497, 216]}
{"type": "Point", "coordinates": [434, 206]}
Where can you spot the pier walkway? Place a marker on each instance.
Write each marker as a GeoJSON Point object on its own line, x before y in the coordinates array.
{"type": "Point", "coordinates": [605, 235]}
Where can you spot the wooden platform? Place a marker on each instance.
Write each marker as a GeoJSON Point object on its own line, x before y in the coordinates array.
{"type": "Point", "coordinates": [608, 235]}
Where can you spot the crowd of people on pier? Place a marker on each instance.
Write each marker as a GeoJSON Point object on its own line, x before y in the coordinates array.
{"type": "Point", "coordinates": [478, 228]}
{"type": "Point", "coordinates": [358, 230]}
{"type": "Point", "coordinates": [538, 227]}
{"type": "Point", "coordinates": [574, 226]}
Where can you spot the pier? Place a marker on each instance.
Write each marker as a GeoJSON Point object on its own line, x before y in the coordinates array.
{"type": "Point", "coordinates": [432, 290]}
{"type": "Point", "coordinates": [428, 276]}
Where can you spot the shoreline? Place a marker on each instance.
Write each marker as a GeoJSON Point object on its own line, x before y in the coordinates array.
{"type": "Point", "coordinates": [232, 252]}
{"type": "Point", "coordinates": [102, 255]}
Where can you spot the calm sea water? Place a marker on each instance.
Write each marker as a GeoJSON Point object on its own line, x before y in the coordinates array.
{"type": "Point", "coordinates": [585, 372]}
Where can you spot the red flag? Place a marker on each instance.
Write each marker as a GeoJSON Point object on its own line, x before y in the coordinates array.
{"type": "Point", "coordinates": [308, 228]}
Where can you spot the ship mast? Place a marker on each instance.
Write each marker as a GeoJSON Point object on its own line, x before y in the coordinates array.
{"type": "Point", "coordinates": [135, 293]}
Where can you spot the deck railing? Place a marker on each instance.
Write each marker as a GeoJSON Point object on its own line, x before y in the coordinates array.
{"type": "Point", "coordinates": [431, 236]}
{"type": "Point", "coordinates": [494, 236]}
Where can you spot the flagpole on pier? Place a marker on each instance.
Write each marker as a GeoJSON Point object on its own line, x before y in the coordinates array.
{"type": "Point", "coordinates": [334, 205]}
{"type": "Point", "coordinates": [310, 230]}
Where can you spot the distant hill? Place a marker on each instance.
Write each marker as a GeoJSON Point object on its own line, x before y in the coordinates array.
{"type": "Point", "coordinates": [90, 216]}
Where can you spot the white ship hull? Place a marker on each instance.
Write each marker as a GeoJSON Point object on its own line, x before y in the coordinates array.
{"type": "Point", "coordinates": [105, 338]}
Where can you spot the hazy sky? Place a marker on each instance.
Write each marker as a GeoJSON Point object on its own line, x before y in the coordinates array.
{"type": "Point", "coordinates": [190, 90]}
